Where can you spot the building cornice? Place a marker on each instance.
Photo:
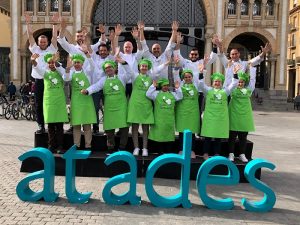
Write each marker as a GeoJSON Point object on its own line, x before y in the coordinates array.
{"type": "Point", "coordinates": [295, 9]}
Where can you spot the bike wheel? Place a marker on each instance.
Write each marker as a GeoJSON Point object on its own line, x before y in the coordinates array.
{"type": "Point", "coordinates": [15, 111]}
{"type": "Point", "coordinates": [7, 112]}
{"type": "Point", "coordinates": [28, 112]}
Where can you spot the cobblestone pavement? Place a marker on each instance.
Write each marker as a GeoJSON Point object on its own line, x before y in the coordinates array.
{"type": "Point", "coordinates": [277, 139]}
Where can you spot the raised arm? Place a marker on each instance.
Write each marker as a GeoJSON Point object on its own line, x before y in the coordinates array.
{"type": "Point", "coordinates": [95, 87]}
{"type": "Point", "coordinates": [252, 81]}
{"type": "Point", "coordinates": [234, 80]}
{"type": "Point", "coordinates": [55, 21]}
{"type": "Point", "coordinates": [118, 31]}
{"type": "Point", "coordinates": [152, 92]}
{"type": "Point", "coordinates": [178, 92]}
{"type": "Point", "coordinates": [29, 30]}
{"type": "Point", "coordinates": [201, 84]}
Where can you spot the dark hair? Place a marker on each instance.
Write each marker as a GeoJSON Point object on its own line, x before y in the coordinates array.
{"type": "Point", "coordinates": [195, 49]}
{"type": "Point", "coordinates": [79, 31]}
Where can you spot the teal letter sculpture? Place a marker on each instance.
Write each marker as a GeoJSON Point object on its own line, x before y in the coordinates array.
{"type": "Point", "coordinates": [204, 178]}
{"type": "Point", "coordinates": [71, 156]}
{"type": "Point", "coordinates": [269, 199]}
{"type": "Point", "coordinates": [185, 160]}
{"type": "Point", "coordinates": [23, 190]}
{"type": "Point", "coordinates": [131, 177]}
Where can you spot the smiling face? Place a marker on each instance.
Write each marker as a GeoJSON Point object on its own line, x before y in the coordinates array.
{"type": "Point", "coordinates": [43, 42]}
{"type": "Point", "coordinates": [165, 88]}
{"type": "Point", "coordinates": [77, 65]}
{"type": "Point", "coordinates": [103, 51]}
{"type": "Point", "coordinates": [234, 55]}
{"type": "Point", "coordinates": [156, 50]}
{"type": "Point", "coordinates": [79, 37]}
{"type": "Point", "coordinates": [194, 55]}
{"type": "Point", "coordinates": [143, 68]}
{"type": "Point", "coordinates": [51, 64]}
{"type": "Point", "coordinates": [128, 48]}
{"type": "Point", "coordinates": [109, 70]}
{"type": "Point", "coordinates": [217, 84]}
{"type": "Point", "coordinates": [241, 84]}
{"type": "Point", "coordinates": [188, 78]}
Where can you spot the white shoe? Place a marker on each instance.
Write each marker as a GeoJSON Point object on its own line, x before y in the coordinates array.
{"type": "Point", "coordinates": [145, 152]}
{"type": "Point", "coordinates": [243, 158]}
{"type": "Point", "coordinates": [231, 157]}
{"type": "Point", "coordinates": [136, 151]}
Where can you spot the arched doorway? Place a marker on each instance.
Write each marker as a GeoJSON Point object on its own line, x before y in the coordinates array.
{"type": "Point", "coordinates": [248, 45]}
{"type": "Point", "coordinates": [158, 16]}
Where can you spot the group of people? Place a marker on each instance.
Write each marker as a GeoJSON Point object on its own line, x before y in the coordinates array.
{"type": "Point", "coordinates": [138, 91]}
{"type": "Point", "coordinates": [10, 89]}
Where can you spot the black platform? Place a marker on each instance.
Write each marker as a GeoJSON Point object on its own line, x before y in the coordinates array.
{"type": "Point", "coordinates": [94, 166]}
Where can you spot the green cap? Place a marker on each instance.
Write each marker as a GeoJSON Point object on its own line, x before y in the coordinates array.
{"type": "Point", "coordinates": [112, 63]}
{"type": "Point", "coordinates": [78, 58]}
{"type": "Point", "coordinates": [48, 57]}
{"type": "Point", "coordinates": [244, 76]}
{"type": "Point", "coordinates": [146, 62]}
{"type": "Point", "coordinates": [186, 71]}
{"type": "Point", "coordinates": [161, 82]}
{"type": "Point", "coordinates": [218, 76]}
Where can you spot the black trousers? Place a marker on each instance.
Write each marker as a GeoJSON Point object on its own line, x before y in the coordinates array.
{"type": "Point", "coordinates": [242, 141]}
{"type": "Point", "coordinates": [96, 98]}
{"type": "Point", "coordinates": [216, 145]}
{"type": "Point", "coordinates": [55, 135]}
{"type": "Point", "coordinates": [38, 96]}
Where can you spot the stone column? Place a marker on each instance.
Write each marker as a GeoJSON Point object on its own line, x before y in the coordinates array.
{"type": "Point", "coordinates": [283, 39]}
{"type": "Point", "coordinates": [208, 49]}
{"type": "Point", "coordinates": [272, 78]}
{"type": "Point", "coordinates": [220, 25]}
{"type": "Point", "coordinates": [15, 39]}
{"type": "Point", "coordinates": [77, 15]}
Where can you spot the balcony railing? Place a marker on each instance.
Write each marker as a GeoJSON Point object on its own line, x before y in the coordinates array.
{"type": "Point", "coordinates": [291, 62]}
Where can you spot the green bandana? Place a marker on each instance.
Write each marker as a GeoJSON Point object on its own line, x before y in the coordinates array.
{"type": "Point", "coordinates": [78, 58]}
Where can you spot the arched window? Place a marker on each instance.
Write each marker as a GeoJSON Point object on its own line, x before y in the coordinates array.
{"type": "Point", "coordinates": [244, 7]}
{"type": "Point", "coordinates": [270, 8]}
{"type": "Point", "coordinates": [66, 6]}
{"type": "Point", "coordinates": [54, 6]}
{"type": "Point", "coordinates": [29, 5]}
{"type": "Point", "coordinates": [42, 5]}
{"type": "Point", "coordinates": [231, 7]}
{"type": "Point", "coordinates": [257, 8]}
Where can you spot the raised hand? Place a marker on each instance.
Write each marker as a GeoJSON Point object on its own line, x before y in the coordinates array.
{"type": "Point", "coordinates": [176, 60]}
{"type": "Point", "coordinates": [56, 56]}
{"type": "Point", "coordinates": [111, 36]}
{"type": "Point", "coordinates": [179, 38]}
{"type": "Point", "coordinates": [69, 63]}
{"type": "Point", "coordinates": [237, 68]}
{"type": "Point", "coordinates": [267, 48]}
{"type": "Point", "coordinates": [206, 59]}
{"type": "Point", "coordinates": [63, 23]}
{"type": "Point", "coordinates": [118, 59]}
{"type": "Point", "coordinates": [27, 18]}
{"type": "Point", "coordinates": [176, 85]}
{"type": "Point", "coordinates": [34, 56]}
{"type": "Point", "coordinates": [154, 83]}
{"type": "Point", "coordinates": [118, 30]}
{"type": "Point", "coordinates": [135, 33]}
{"type": "Point", "coordinates": [117, 53]}
{"type": "Point", "coordinates": [55, 18]}
{"type": "Point", "coordinates": [141, 25]}
{"type": "Point", "coordinates": [175, 25]}
{"type": "Point", "coordinates": [101, 28]}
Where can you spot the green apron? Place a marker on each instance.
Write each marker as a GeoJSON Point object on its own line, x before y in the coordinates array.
{"type": "Point", "coordinates": [215, 120]}
{"type": "Point", "coordinates": [115, 104]}
{"type": "Point", "coordinates": [187, 114]}
{"type": "Point", "coordinates": [140, 109]}
{"type": "Point", "coordinates": [82, 106]}
{"type": "Point", "coordinates": [54, 100]}
{"type": "Point", "coordinates": [240, 110]}
{"type": "Point", "coordinates": [163, 129]}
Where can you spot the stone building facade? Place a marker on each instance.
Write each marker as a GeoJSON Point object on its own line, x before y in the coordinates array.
{"type": "Point", "coordinates": [293, 55]}
{"type": "Point", "coordinates": [243, 24]}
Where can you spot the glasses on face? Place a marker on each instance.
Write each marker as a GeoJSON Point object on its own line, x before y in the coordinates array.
{"type": "Point", "coordinates": [194, 54]}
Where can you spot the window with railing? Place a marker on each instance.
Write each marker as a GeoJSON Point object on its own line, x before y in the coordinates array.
{"type": "Point", "coordinates": [231, 7]}
{"type": "Point", "coordinates": [29, 5]}
{"type": "Point", "coordinates": [244, 7]}
{"type": "Point", "coordinates": [292, 40]}
{"type": "Point", "coordinates": [54, 6]}
{"type": "Point", "coordinates": [256, 8]}
{"type": "Point", "coordinates": [270, 8]}
{"type": "Point", "coordinates": [42, 5]}
{"type": "Point", "coordinates": [66, 6]}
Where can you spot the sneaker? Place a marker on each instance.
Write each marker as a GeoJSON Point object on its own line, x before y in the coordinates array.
{"type": "Point", "coordinates": [243, 158]}
{"type": "Point", "coordinates": [136, 151]}
{"type": "Point", "coordinates": [193, 155]}
{"type": "Point", "coordinates": [145, 152]}
{"type": "Point", "coordinates": [231, 157]}
{"type": "Point", "coordinates": [205, 156]}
